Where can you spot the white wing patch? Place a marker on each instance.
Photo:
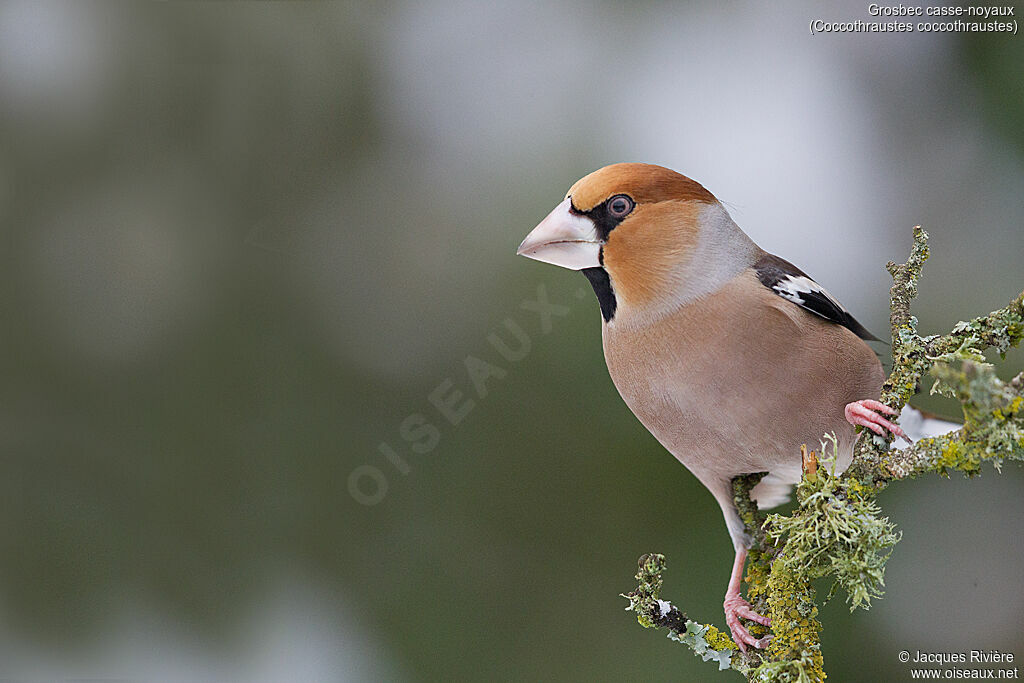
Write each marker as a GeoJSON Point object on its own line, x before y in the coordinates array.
{"type": "Point", "coordinates": [790, 283]}
{"type": "Point", "coordinates": [794, 287]}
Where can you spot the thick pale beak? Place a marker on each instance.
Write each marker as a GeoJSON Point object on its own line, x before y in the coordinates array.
{"type": "Point", "coordinates": [564, 239]}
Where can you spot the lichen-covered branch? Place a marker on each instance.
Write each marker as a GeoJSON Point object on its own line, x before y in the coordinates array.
{"type": "Point", "coordinates": [705, 640]}
{"type": "Point", "coordinates": [993, 425]}
{"type": "Point", "coordinates": [993, 422]}
{"type": "Point", "coordinates": [838, 530]}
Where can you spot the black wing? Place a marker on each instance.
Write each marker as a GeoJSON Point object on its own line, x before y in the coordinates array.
{"type": "Point", "coordinates": [793, 284]}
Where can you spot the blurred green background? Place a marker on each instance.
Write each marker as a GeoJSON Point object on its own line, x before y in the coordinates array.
{"type": "Point", "coordinates": [244, 244]}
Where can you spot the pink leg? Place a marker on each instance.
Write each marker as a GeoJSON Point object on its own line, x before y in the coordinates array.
{"type": "Point", "coordinates": [736, 607]}
{"type": "Point", "coordinates": [864, 413]}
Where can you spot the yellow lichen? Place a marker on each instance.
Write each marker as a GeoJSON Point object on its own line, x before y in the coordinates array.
{"type": "Point", "coordinates": [856, 488]}
{"type": "Point", "coordinates": [718, 640]}
{"type": "Point", "coordinates": [757, 575]}
{"type": "Point", "coordinates": [795, 645]}
{"type": "Point", "coordinates": [1009, 411]}
{"type": "Point", "coordinates": [957, 456]}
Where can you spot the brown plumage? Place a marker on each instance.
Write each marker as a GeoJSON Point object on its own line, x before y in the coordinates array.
{"type": "Point", "coordinates": [645, 183]}
{"type": "Point", "coordinates": [731, 358]}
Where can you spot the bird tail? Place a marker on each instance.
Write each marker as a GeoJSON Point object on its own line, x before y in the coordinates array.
{"type": "Point", "coordinates": [919, 424]}
{"type": "Point", "coordinates": [775, 488]}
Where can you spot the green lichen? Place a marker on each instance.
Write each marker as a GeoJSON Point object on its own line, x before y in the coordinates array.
{"type": "Point", "coordinates": [644, 600]}
{"type": "Point", "coordinates": [837, 531]}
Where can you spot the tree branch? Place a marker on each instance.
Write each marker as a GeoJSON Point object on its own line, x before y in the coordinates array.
{"type": "Point", "coordinates": [705, 640]}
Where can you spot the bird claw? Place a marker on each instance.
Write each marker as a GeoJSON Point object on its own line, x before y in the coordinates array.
{"type": "Point", "coordinates": [735, 609]}
{"type": "Point", "coordinates": [865, 414]}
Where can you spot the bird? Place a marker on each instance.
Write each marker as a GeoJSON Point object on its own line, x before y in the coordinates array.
{"type": "Point", "coordinates": [730, 356]}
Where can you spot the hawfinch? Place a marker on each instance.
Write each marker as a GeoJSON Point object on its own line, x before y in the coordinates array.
{"type": "Point", "coordinates": [730, 356]}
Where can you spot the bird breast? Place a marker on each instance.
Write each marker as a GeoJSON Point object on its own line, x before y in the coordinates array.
{"type": "Point", "coordinates": [737, 381]}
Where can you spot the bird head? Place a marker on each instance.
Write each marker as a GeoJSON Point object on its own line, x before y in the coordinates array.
{"type": "Point", "coordinates": [635, 231]}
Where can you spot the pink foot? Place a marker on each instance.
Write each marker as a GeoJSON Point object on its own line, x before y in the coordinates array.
{"type": "Point", "coordinates": [736, 607]}
{"type": "Point", "coordinates": [864, 413]}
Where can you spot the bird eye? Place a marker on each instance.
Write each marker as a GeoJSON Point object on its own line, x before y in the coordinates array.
{"type": "Point", "coordinates": [620, 205]}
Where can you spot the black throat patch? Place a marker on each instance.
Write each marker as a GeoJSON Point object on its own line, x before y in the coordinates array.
{"type": "Point", "coordinates": [602, 285]}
